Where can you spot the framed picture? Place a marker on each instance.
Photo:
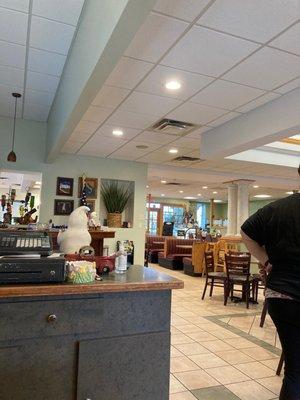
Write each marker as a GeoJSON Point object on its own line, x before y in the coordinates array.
{"type": "Point", "coordinates": [90, 204]}
{"type": "Point", "coordinates": [91, 187]}
{"type": "Point", "coordinates": [64, 186]}
{"type": "Point", "coordinates": [63, 207]}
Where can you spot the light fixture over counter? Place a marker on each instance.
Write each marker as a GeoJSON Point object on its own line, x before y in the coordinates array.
{"type": "Point", "coordinates": [12, 155]}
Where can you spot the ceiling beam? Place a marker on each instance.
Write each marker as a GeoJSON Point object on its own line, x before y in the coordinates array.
{"type": "Point", "coordinates": [105, 30]}
{"type": "Point", "coordinates": [273, 121]}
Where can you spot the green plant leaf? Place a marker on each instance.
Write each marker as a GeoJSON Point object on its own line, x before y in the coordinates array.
{"type": "Point", "coordinates": [115, 197]}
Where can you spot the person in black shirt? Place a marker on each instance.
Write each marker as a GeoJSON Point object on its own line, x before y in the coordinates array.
{"type": "Point", "coordinates": [272, 235]}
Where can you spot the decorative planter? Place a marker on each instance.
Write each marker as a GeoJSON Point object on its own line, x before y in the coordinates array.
{"type": "Point", "coordinates": [114, 220]}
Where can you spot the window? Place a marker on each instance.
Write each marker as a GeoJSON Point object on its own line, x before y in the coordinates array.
{"type": "Point", "coordinates": [201, 215]}
{"type": "Point", "coordinates": [173, 214]}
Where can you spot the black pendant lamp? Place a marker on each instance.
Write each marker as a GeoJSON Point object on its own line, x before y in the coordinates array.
{"type": "Point", "coordinates": [12, 155]}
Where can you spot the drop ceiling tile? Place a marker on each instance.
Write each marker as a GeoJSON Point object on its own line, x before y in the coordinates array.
{"type": "Point", "coordinates": [96, 141]}
{"type": "Point", "coordinates": [97, 114]}
{"type": "Point", "coordinates": [45, 62]}
{"type": "Point", "coordinates": [198, 132]}
{"type": "Point", "coordinates": [148, 103]}
{"type": "Point", "coordinates": [110, 96]}
{"type": "Point", "coordinates": [224, 118]}
{"type": "Point", "coordinates": [226, 95]}
{"type": "Point", "coordinates": [13, 26]}
{"type": "Point", "coordinates": [131, 151]}
{"type": "Point", "coordinates": [155, 82]}
{"type": "Point", "coordinates": [258, 102]}
{"type": "Point", "coordinates": [77, 137]}
{"type": "Point", "coordinates": [128, 73]}
{"type": "Point", "coordinates": [66, 11]}
{"type": "Point", "coordinates": [39, 97]}
{"type": "Point", "coordinates": [12, 54]}
{"type": "Point", "coordinates": [266, 69]}
{"type": "Point", "coordinates": [98, 152]}
{"type": "Point", "coordinates": [42, 82]}
{"type": "Point", "coordinates": [289, 86]}
{"type": "Point", "coordinates": [7, 101]}
{"type": "Point", "coordinates": [252, 19]}
{"type": "Point", "coordinates": [183, 9]}
{"type": "Point", "coordinates": [105, 131]}
{"type": "Point", "coordinates": [196, 113]}
{"type": "Point", "coordinates": [87, 127]}
{"type": "Point", "coordinates": [289, 40]}
{"type": "Point", "coordinates": [19, 5]}
{"type": "Point", "coordinates": [51, 35]}
{"type": "Point", "coordinates": [155, 37]}
{"type": "Point", "coordinates": [186, 143]}
{"type": "Point", "coordinates": [207, 52]}
{"type": "Point", "coordinates": [158, 156]}
{"type": "Point", "coordinates": [36, 112]}
{"type": "Point", "coordinates": [155, 137]}
{"type": "Point", "coordinates": [11, 76]}
{"type": "Point", "coordinates": [131, 120]}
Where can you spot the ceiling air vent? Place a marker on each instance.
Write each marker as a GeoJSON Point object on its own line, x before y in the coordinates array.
{"type": "Point", "coordinates": [186, 159]}
{"type": "Point", "coordinates": [174, 184]}
{"type": "Point", "coordinates": [172, 127]}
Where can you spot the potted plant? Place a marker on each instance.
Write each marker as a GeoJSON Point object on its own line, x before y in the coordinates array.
{"type": "Point", "coordinates": [115, 198]}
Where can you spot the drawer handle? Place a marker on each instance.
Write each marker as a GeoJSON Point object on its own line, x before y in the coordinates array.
{"type": "Point", "coordinates": [51, 318]}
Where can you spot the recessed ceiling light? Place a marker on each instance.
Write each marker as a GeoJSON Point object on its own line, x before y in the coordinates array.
{"type": "Point", "coordinates": [147, 187]}
{"type": "Point", "coordinates": [204, 187]}
{"type": "Point", "coordinates": [38, 183]}
{"type": "Point", "coordinates": [199, 194]}
{"type": "Point", "coordinates": [215, 192]}
{"type": "Point", "coordinates": [173, 151]}
{"type": "Point", "coordinates": [36, 187]}
{"type": "Point", "coordinates": [117, 132]}
{"type": "Point", "coordinates": [289, 192]}
{"type": "Point", "coordinates": [218, 201]}
{"type": "Point", "coordinates": [163, 181]}
{"type": "Point", "coordinates": [189, 198]}
{"type": "Point", "coordinates": [255, 187]}
{"type": "Point", "coordinates": [173, 85]}
{"type": "Point", "coordinates": [180, 191]}
{"type": "Point", "coordinates": [162, 195]}
{"type": "Point", "coordinates": [262, 196]}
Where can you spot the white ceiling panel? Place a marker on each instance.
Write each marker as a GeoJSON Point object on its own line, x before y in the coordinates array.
{"type": "Point", "coordinates": [158, 156]}
{"type": "Point", "coordinates": [289, 86]}
{"type": "Point", "coordinates": [290, 40]}
{"type": "Point", "coordinates": [51, 35]}
{"type": "Point", "coordinates": [128, 73]}
{"type": "Point", "coordinates": [78, 137]}
{"type": "Point", "coordinates": [186, 143]}
{"type": "Point", "coordinates": [266, 69]}
{"type": "Point", "coordinates": [155, 37]}
{"type": "Point", "coordinates": [148, 103]}
{"type": "Point", "coordinates": [7, 101]}
{"type": "Point", "coordinates": [130, 150]}
{"type": "Point", "coordinates": [190, 83]}
{"type": "Point", "coordinates": [131, 120]}
{"type": "Point", "coordinates": [106, 130]}
{"type": "Point", "coordinates": [196, 113]}
{"type": "Point", "coordinates": [97, 114]}
{"type": "Point", "coordinates": [155, 137]}
{"type": "Point", "coordinates": [224, 118]}
{"type": "Point", "coordinates": [198, 132]}
{"type": "Point", "coordinates": [226, 95]}
{"type": "Point", "coordinates": [66, 11]}
{"type": "Point", "coordinates": [258, 102]}
{"type": "Point", "coordinates": [37, 81]}
{"type": "Point", "coordinates": [183, 9]}
{"type": "Point", "coordinates": [99, 151]}
{"type": "Point", "coordinates": [12, 54]}
{"type": "Point", "coordinates": [110, 96]}
{"type": "Point", "coordinates": [45, 62]}
{"type": "Point", "coordinates": [97, 142]}
{"type": "Point", "coordinates": [19, 5]}
{"type": "Point", "coordinates": [207, 52]}
{"type": "Point", "coordinates": [11, 76]}
{"type": "Point", "coordinates": [39, 97]}
{"type": "Point", "coordinates": [87, 127]}
{"type": "Point", "coordinates": [13, 26]}
{"type": "Point", "coordinates": [252, 19]}
{"type": "Point", "coordinates": [37, 112]}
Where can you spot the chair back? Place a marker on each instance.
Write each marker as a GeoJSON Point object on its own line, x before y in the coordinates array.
{"type": "Point", "coordinates": [237, 264]}
{"type": "Point", "coordinates": [209, 262]}
{"type": "Point", "coordinates": [231, 247]}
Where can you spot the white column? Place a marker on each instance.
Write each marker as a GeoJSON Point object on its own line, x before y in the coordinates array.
{"type": "Point", "coordinates": [243, 203]}
{"type": "Point", "coordinates": [232, 209]}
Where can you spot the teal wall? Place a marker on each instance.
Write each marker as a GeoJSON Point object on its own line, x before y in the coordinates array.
{"type": "Point", "coordinates": [30, 150]}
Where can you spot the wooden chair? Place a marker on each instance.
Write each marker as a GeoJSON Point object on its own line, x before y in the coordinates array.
{"type": "Point", "coordinates": [238, 273]}
{"type": "Point", "coordinates": [213, 279]}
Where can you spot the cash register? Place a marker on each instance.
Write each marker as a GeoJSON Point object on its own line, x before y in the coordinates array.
{"type": "Point", "coordinates": [26, 257]}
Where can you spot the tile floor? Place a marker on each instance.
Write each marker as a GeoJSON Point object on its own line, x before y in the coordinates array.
{"type": "Point", "coordinates": [217, 352]}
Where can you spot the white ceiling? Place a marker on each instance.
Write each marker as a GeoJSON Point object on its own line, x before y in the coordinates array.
{"type": "Point", "coordinates": [35, 37]}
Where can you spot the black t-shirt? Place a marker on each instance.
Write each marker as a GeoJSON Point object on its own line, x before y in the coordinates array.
{"type": "Point", "coordinates": [277, 227]}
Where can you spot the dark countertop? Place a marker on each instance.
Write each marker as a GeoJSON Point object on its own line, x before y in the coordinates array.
{"type": "Point", "coordinates": [137, 278]}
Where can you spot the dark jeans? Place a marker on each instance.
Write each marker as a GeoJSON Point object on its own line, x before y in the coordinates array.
{"type": "Point", "coordinates": [286, 317]}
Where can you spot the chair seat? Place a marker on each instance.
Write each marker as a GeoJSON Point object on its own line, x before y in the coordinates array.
{"type": "Point", "coordinates": [177, 256]}
{"type": "Point", "coordinates": [220, 275]}
{"type": "Point", "coordinates": [240, 278]}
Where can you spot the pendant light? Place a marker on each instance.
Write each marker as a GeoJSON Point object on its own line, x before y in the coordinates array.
{"type": "Point", "coordinates": [12, 155]}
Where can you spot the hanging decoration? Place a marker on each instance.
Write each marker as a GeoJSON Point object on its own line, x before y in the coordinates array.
{"type": "Point", "coordinates": [12, 155]}
{"type": "Point", "coordinates": [83, 201]}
